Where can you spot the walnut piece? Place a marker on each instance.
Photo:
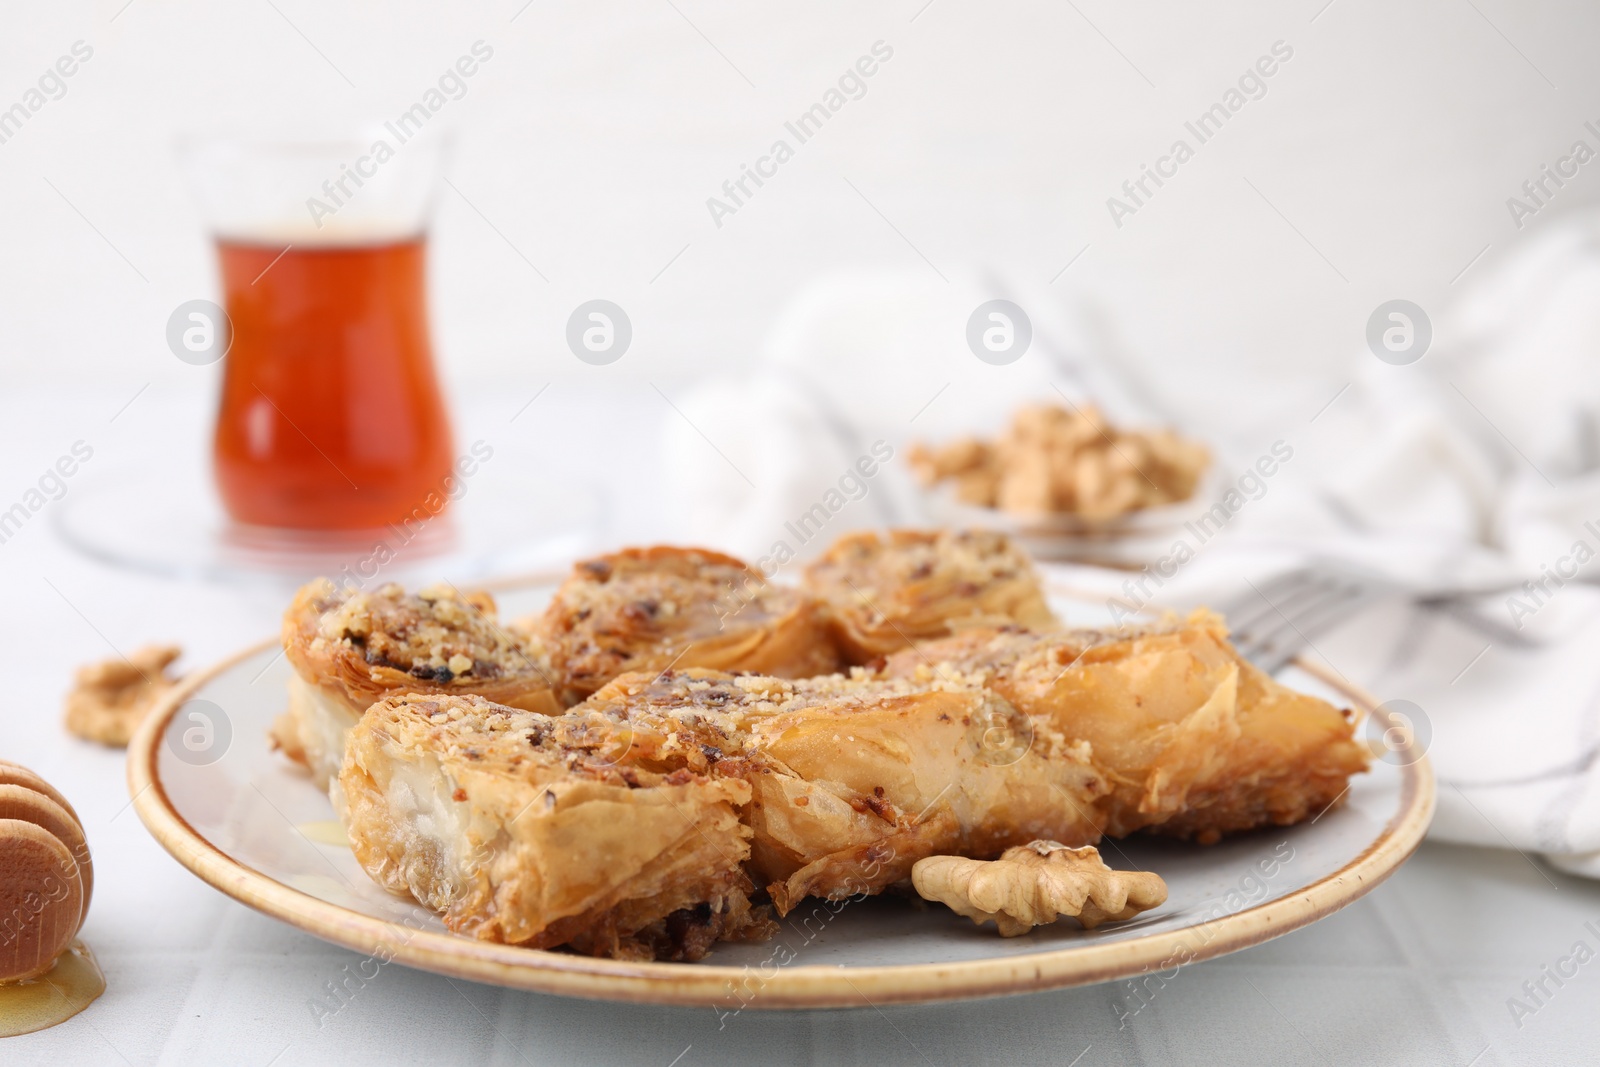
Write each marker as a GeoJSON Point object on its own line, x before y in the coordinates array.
{"type": "Point", "coordinates": [1033, 884]}
{"type": "Point", "coordinates": [110, 698]}
{"type": "Point", "coordinates": [1052, 460]}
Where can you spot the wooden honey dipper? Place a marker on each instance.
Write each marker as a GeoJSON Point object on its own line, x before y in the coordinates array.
{"type": "Point", "coordinates": [46, 876]}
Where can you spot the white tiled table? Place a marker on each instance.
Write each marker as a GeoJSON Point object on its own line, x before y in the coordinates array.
{"type": "Point", "coordinates": [1418, 972]}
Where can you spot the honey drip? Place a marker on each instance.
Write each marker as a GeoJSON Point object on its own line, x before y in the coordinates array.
{"type": "Point", "coordinates": [326, 832]}
{"type": "Point", "coordinates": [53, 997]}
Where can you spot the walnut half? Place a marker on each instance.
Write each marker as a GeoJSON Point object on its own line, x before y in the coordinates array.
{"type": "Point", "coordinates": [109, 698]}
{"type": "Point", "coordinates": [1033, 884]}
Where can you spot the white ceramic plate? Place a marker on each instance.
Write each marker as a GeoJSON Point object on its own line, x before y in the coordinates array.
{"type": "Point", "coordinates": [244, 820]}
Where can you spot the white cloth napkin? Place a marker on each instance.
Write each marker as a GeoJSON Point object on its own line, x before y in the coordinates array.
{"type": "Point", "coordinates": [1477, 466]}
{"type": "Point", "coordinates": [856, 359]}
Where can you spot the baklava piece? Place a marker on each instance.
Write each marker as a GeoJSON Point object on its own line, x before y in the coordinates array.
{"type": "Point", "coordinates": [351, 648]}
{"type": "Point", "coordinates": [575, 830]}
{"type": "Point", "coordinates": [885, 592]}
{"type": "Point", "coordinates": [648, 609]}
{"type": "Point", "coordinates": [854, 779]}
{"type": "Point", "coordinates": [1196, 741]}
{"type": "Point", "coordinates": [666, 796]}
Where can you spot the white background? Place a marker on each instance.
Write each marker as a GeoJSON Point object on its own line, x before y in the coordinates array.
{"type": "Point", "coordinates": [1383, 152]}
{"type": "Point", "coordinates": [993, 138]}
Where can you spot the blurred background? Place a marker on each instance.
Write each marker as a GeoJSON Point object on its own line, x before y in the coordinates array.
{"type": "Point", "coordinates": [1377, 166]}
{"type": "Point", "coordinates": [1374, 164]}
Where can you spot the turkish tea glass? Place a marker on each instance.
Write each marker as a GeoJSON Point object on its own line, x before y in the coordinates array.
{"type": "Point", "coordinates": [331, 417]}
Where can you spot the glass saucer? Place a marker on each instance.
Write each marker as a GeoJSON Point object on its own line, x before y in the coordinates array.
{"type": "Point", "coordinates": [509, 519]}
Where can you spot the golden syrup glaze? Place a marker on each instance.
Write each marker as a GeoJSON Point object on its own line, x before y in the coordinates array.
{"type": "Point", "coordinates": [53, 997]}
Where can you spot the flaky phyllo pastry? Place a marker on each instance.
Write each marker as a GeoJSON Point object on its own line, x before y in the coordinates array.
{"type": "Point", "coordinates": [646, 820]}
{"type": "Point", "coordinates": [639, 609]}
{"type": "Point", "coordinates": [551, 830]}
{"type": "Point", "coordinates": [1195, 741]}
{"type": "Point", "coordinates": [887, 591]}
{"type": "Point", "coordinates": [853, 779]}
{"type": "Point", "coordinates": [663, 758]}
{"type": "Point", "coordinates": [645, 609]}
{"type": "Point", "coordinates": [639, 823]}
{"type": "Point", "coordinates": [350, 649]}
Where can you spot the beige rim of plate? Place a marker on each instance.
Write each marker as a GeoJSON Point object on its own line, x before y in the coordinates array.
{"type": "Point", "coordinates": [790, 987]}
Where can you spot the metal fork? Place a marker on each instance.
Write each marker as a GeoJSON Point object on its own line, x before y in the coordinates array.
{"type": "Point", "coordinates": [1279, 617]}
